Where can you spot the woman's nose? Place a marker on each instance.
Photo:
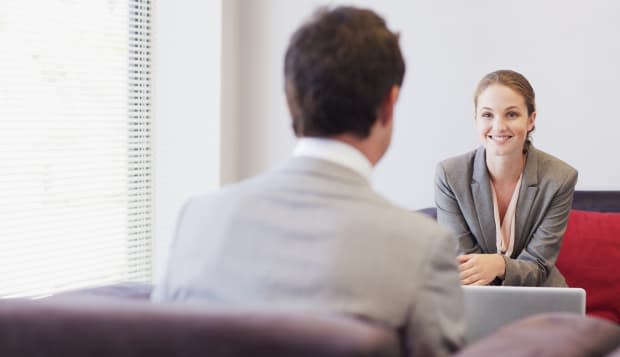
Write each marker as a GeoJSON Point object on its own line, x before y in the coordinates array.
{"type": "Point", "coordinates": [499, 124]}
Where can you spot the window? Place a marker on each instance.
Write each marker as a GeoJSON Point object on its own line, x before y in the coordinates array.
{"type": "Point", "coordinates": [75, 154]}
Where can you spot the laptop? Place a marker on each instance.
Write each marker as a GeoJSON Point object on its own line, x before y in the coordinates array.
{"type": "Point", "coordinates": [488, 308]}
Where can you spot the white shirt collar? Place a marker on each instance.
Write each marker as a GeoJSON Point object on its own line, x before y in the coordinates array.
{"type": "Point", "coordinates": [334, 151]}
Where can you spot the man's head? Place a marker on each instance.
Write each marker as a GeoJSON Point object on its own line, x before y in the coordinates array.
{"type": "Point", "coordinates": [340, 69]}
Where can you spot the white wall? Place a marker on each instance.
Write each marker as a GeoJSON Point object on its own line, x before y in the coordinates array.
{"type": "Point", "coordinates": [219, 108]}
{"type": "Point", "coordinates": [187, 36]}
{"type": "Point", "coordinates": [568, 49]}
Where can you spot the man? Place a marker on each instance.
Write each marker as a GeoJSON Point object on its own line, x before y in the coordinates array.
{"type": "Point", "coordinates": [313, 235]}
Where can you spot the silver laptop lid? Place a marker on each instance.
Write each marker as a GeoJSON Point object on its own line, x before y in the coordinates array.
{"type": "Point", "coordinates": [488, 308]}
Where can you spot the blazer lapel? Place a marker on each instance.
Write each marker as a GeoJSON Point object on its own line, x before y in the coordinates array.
{"type": "Point", "coordinates": [527, 195]}
{"type": "Point", "coordinates": [483, 200]}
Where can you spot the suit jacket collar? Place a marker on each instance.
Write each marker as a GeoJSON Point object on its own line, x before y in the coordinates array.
{"type": "Point", "coordinates": [527, 195]}
{"type": "Point", "coordinates": [335, 151]}
{"type": "Point", "coordinates": [483, 199]}
{"type": "Point", "coordinates": [325, 168]}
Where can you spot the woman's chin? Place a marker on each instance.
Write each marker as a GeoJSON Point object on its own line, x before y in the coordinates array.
{"type": "Point", "coordinates": [495, 150]}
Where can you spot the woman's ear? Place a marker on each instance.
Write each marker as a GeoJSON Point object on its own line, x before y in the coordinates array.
{"type": "Point", "coordinates": [531, 122]}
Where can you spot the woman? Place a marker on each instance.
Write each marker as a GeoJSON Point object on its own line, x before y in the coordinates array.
{"type": "Point", "coordinates": [507, 201]}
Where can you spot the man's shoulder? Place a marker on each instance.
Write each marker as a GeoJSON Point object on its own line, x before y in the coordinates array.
{"type": "Point", "coordinates": [228, 194]}
{"type": "Point", "coordinates": [351, 198]}
{"type": "Point", "coordinates": [407, 223]}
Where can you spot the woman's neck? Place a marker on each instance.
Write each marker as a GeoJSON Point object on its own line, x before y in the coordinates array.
{"type": "Point", "coordinates": [505, 169]}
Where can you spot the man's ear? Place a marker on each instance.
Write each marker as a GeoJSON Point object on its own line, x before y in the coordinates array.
{"type": "Point", "coordinates": [387, 107]}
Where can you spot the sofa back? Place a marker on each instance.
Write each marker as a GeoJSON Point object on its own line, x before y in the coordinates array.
{"type": "Point", "coordinates": [109, 327]}
{"type": "Point", "coordinates": [596, 201]}
{"type": "Point", "coordinates": [591, 251]}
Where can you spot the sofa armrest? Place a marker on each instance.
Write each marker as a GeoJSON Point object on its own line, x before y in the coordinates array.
{"type": "Point", "coordinates": [551, 334]}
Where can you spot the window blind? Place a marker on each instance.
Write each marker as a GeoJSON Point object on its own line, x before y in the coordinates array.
{"type": "Point", "coordinates": [75, 144]}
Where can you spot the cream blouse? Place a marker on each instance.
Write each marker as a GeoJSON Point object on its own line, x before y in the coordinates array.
{"type": "Point", "coordinates": [505, 236]}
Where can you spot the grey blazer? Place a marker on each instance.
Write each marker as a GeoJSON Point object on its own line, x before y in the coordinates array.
{"type": "Point", "coordinates": [465, 205]}
{"type": "Point", "coordinates": [314, 236]}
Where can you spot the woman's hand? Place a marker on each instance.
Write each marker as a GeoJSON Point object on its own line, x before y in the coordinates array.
{"type": "Point", "coordinates": [480, 269]}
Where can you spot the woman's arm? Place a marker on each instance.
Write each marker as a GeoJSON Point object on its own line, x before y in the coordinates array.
{"type": "Point", "coordinates": [450, 216]}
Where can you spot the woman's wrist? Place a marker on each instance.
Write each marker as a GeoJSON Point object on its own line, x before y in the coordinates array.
{"type": "Point", "coordinates": [501, 267]}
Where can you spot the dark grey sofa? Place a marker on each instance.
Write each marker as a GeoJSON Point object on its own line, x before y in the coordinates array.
{"type": "Point", "coordinates": [118, 321]}
{"type": "Point", "coordinates": [557, 334]}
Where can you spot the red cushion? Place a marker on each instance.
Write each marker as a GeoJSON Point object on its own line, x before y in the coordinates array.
{"type": "Point", "coordinates": [590, 259]}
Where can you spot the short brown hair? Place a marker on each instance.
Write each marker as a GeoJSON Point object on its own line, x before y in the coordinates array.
{"type": "Point", "coordinates": [338, 69]}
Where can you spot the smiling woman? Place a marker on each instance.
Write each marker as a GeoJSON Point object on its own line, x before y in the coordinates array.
{"type": "Point", "coordinates": [507, 202]}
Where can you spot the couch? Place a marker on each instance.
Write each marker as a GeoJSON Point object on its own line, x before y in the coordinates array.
{"type": "Point", "coordinates": [554, 334]}
{"type": "Point", "coordinates": [117, 320]}
{"type": "Point", "coordinates": [591, 250]}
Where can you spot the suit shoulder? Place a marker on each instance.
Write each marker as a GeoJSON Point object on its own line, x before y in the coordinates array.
{"type": "Point", "coordinates": [230, 193]}
{"type": "Point", "coordinates": [458, 165]}
{"type": "Point", "coordinates": [410, 221]}
{"type": "Point", "coordinates": [459, 160]}
{"type": "Point", "coordinates": [554, 166]}
{"type": "Point", "coordinates": [427, 235]}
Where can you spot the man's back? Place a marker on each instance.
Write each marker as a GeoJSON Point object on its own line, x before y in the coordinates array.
{"type": "Point", "coordinates": [314, 236]}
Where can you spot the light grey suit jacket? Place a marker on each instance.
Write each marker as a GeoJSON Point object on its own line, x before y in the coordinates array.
{"type": "Point", "coordinates": [464, 204]}
{"type": "Point", "coordinates": [314, 236]}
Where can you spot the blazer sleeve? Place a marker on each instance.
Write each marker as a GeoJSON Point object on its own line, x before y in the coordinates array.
{"type": "Point", "coordinates": [449, 214]}
{"type": "Point", "coordinates": [436, 325]}
{"type": "Point", "coordinates": [533, 265]}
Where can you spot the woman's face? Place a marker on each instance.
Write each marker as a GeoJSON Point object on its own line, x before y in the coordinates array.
{"type": "Point", "coordinates": [502, 121]}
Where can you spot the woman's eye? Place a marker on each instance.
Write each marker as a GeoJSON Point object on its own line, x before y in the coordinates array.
{"type": "Point", "coordinates": [486, 115]}
{"type": "Point", "coordinates": [513, 115]}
